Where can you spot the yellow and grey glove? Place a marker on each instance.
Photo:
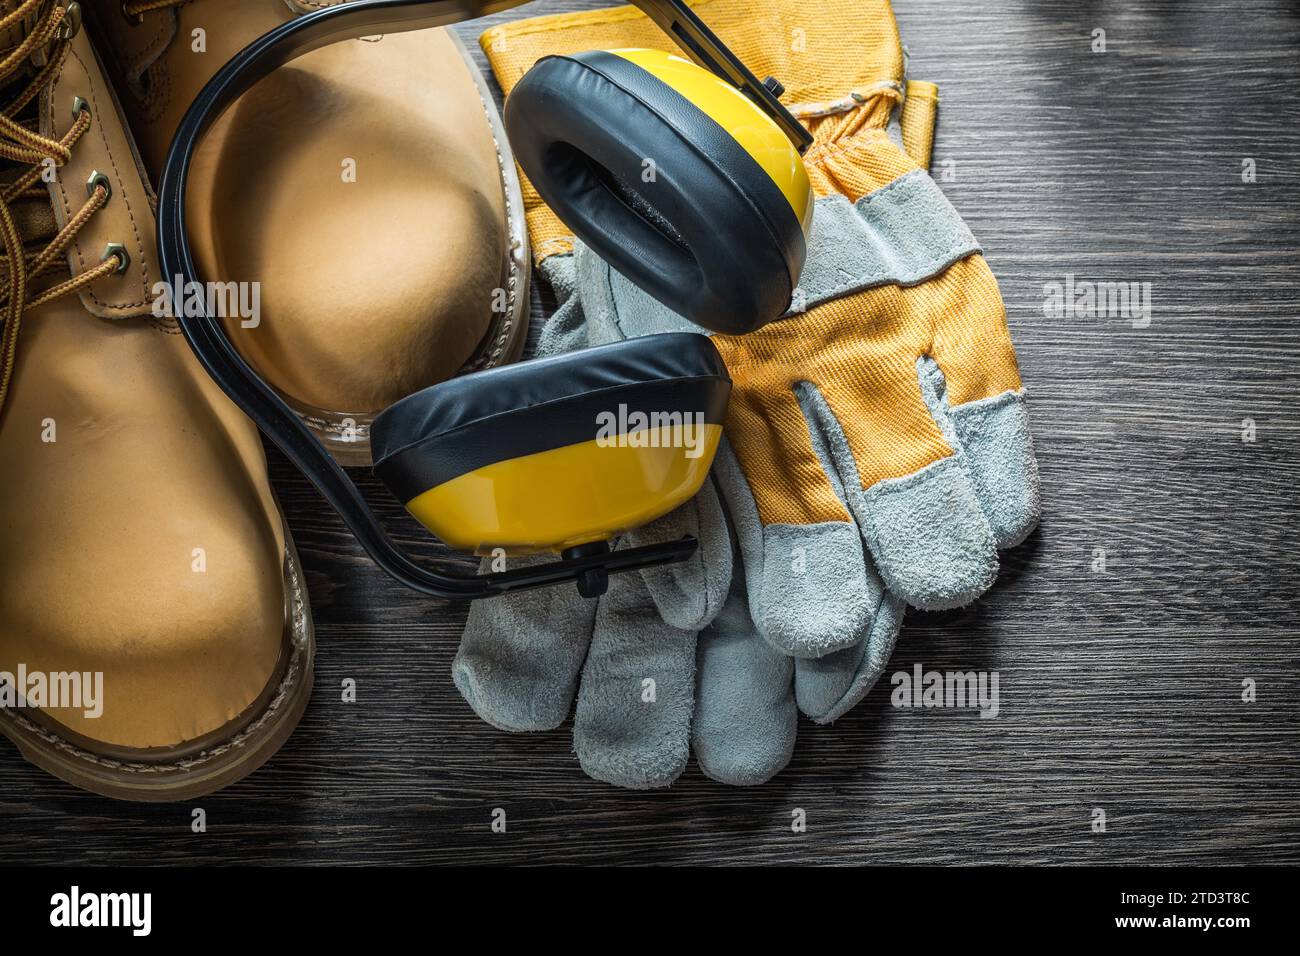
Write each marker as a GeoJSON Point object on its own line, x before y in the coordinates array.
{"type": "Point", "coordinates": [668, 661]}
{"type": "Point", "coordinates": [877, 442]}
{"type": "Point", "coordinates": [889, 409]}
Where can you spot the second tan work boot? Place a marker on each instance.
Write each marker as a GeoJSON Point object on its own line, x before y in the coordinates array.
{"type": "Point", "coordinates": [367, 186]}
{"type": "Point", "coordinates": [155, 637]}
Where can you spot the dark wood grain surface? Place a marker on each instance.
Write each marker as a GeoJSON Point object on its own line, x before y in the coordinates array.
{"type": "Point", "coordinates": [1120, 690]}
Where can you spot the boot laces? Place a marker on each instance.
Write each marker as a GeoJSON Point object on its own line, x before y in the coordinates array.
{"type": "Point", "coordinates": [138, 8]}
{"type": "Point", "coordinates": [25, 154]}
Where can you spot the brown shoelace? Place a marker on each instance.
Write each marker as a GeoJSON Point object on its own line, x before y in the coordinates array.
{"type": "Point", "coordinates": [45, 46]}
{"type": "Point", "coordinates": [135, 8]}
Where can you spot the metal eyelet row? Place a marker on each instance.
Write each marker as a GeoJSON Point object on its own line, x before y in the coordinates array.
{"type": "Point", "coordinates": [97, 180]}
{"type": "Point", "coordinates": [71, 21]}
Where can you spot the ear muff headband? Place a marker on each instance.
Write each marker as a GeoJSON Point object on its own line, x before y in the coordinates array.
{"type": "Point", "coordinates": [206, 334]}
{"type": "Point", "coordinates": [674, 178]}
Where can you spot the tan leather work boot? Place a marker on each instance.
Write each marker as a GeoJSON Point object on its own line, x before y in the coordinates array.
{"type": "Point", "coordinates": [368, 187]}
{"type": "Point", "coordinates": [152, 614]}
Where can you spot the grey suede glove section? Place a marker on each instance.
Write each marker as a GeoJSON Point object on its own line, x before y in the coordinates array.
{"type": "Point", "coordinates": [717, 655]}
{"type": "Point", "coordinates": [930, 538]}
{"type": "Point", "coordinates": [669, 661]}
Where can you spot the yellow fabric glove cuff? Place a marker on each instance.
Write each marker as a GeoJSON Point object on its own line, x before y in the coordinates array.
{"type": "Point", "coordinates": [842, 67]}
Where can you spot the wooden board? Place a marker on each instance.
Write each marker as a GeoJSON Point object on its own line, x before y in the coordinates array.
{"type": "Point", "coordinates": [1120, 690]}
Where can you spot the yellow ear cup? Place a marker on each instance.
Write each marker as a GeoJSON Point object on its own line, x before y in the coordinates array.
{"type": "Point", "coordinates": [563, 497]}
{"type": "Point", "coordinates": [560, 451]}
{"type": "Point", "coordinates": [671, 176]}
{"type": "Point", "coordinates": [740, 116]}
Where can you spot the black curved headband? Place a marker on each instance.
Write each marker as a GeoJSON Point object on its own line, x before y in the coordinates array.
{"type": "Point", "coordinates": [268, 411]}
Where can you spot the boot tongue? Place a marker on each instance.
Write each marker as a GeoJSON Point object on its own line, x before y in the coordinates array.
{"type": "Point", "coordinates": [13, 34]}
{"type": "Point", "coordinates": [35, 219]}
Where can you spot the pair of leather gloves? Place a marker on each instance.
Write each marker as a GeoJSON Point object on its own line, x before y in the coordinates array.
{"type": "Point", "coordinates": [877, 450]}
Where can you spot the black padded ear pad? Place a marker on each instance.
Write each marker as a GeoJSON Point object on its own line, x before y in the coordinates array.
{"type": "Point", "coordinates": [712, 236]}
{"type": "Point", "coordinates": [461, 425]}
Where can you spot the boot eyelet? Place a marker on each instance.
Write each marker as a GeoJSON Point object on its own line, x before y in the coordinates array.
{"type": "Point", "coordinates": [96, 180]}
{"type": "Point", "coordinates": [135, 20]}
{"type": "Point", "coordinates": [71, 24]}
{"type": "Point", "coordinates": [79, 106]}
{"type": "Point", "coordinates": [123, 258]}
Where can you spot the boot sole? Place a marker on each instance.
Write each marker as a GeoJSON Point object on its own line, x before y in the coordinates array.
{"type": "Point", "coordinates": [347, 435]}
{"type": "Point", "coordinates": [163, 777]}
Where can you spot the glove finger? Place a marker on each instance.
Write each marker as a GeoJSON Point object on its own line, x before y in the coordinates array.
{"type": "Point", "coordinates": [926, 531]}
{"type": "Point", "coordinates": [632, 723]}
{"type": "Point", "coordinates": [903, 265]}
{"type": "Point", "coordinates": [828, 687]}
{"type": "Point", "coordinates": [565, 331]}
{"type": "Point", "coordinates": [521, 653]}
{"type": "Point", "coordinates": [560, 271]}
{"type": "Point", "coordinates": [745, 717]}
{"type": "Point", "coordinates": [690, 593]}
{"type": "Point", "coordinates": [811, 589]}
{"type": "Point", "coordinates": [993, 437]}
{"type": "Point", "coordinates": [974, 392]}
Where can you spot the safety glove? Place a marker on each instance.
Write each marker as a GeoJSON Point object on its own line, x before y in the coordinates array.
{"type": "Point", "coordinates": [878, 447]}
{"type": "Point", "coordinates": [668, 661]}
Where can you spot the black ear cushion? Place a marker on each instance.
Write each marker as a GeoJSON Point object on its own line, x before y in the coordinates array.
{"type": "Point", "coordinates": [711, 235]}
{"type": "Point", "coordinates": [460, 425]}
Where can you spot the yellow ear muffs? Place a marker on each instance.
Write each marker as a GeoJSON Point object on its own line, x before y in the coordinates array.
{"type": "Point", "coordinates": [671, 175]}
{"type": "Point", "coordinates": [675, 177]}
{"type": "Point", "coordinates": [557, 452]}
